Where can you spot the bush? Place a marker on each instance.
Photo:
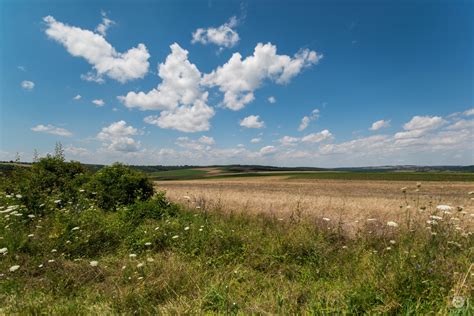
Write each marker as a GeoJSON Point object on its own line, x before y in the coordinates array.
{"type": "Point", "coordinates": [117, 185]}
{"type": "Point", "coordinates": [49, 176]}
{"type": "Point", "coordinates": [156, 208]}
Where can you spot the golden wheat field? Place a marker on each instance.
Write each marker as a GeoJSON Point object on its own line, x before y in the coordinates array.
{"type": "Point", "coordinates": [350, 203]}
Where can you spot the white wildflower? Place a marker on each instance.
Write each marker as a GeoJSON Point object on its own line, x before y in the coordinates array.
{"type": "Point", "coordinates": [94, 263]}
{"type": "Point", "coordinates": [3, 250]}
{"type": "Point", "coordinates": [458, 301]}
{"type": "Point", "coordinates": [18, 196]}
{"type": "Point", "coordinates": [148, 244]}
{"type": "Point", "coordinates": [14, 268]}
{"type": "Point", "coordinates": [31, 235]}
{"type": "Point", "coordinates": [31, 216]}
{"type": "Point", "coordinates": [444, 208]}
{"type": "Point", "coordinates": [326, 219]}
{"type": "Point", "coordinates": [51, 260]}
{"type": "Point", "coordinates": [186, 228]}
{"type": "Point", "coordinates": [175, 237]}
{"type": "Point", "coordinates": [393, 242]}
{"type": "Point", "coordinates": [40, 266]}
{"type": "Point", "coordinates": [392, 224]}
{"type": "Point", "coordinates": [132, 255]}
{"type": "Point", "coordinates": [140, 265]}
{"type": "Point", "coordinates": [54, 250]}
{"type": "Point", "coordinates": [150, 259]}
{"type": "Point", "coordinates": [57, 201]}
{"type": "Point", "coordinates": [75, 228]}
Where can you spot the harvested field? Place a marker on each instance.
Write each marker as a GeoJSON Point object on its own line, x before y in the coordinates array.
{"type": "Point", "coordinates": [350, 202]}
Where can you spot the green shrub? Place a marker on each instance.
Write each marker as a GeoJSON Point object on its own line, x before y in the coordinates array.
{"type": "Point", "coordinates": [156, 208]}
{"type": "Point", "coordinates": [117, 185]}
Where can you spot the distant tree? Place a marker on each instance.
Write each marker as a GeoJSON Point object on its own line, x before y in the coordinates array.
{"type": "Point", "coordinates": [59, 151]}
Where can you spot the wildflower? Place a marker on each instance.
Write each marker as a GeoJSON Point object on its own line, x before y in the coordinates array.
{"type": "Point", "coordinates": [175, 237]}
{"type": "Point", "coordinates": [31, 235]}
{"type": "Point", "coordinates": [40, 266]}
{"type": "Point", "coordinates": [57, 201]}
{"type": "Point", "coordinates": [392, 224]}
{"type": "Point", "coordinates": [124, 267]}
{"type": "Point", "coordinates": [444, 208]}
{"type": "Point", "coordinates": [371, 219]}
{"type": "Point", "coordinates": [438, 218]}
{"type": "Point", "coordinates": [94, 263]}
{"type": "Point", "coordinates": [81, 190]}
{"type": "Point", "coordinates": [198, 207]}
{"type": "Point", "coordinates": [54, 250]}
{"type": "Point", "coordinates": [132, 255]}
{"type": "Point", "coordinates": [326, 219]}
{"type": "Point", "coordinates": [75, 228]}
{"type": "Point", "coordinates": [186, 228]}
{"type": "Point", "coordinates": [388, 248]}
{"type": "Point", "coordinates": [14, 268]}
{"type": "Point", "coordinates": [150, 259]}
{"type": "Point", "coordinates": [18, 196]}
{"type": "Point", "coordinates": [148, 244]}
{"type": "Point", "coordinates": [31, 216]}
{"type": "Point", "coordinates": [200, 229]}
{"type": "Point", "coordinates": [458, 301]}
{"type": "Point", "coordinates": [156, 228]}
{"type": "Point", "coordinates": [140, 278]}
{"type": "Point", "coordinates": [3, 250]}
{"type": "Point", "coordinates": [51, 260]}
{"type": "Point", "coordinates": [344, 247]}
{"type": "Point", "coordinates": [140, 265]}
{"type": "Point", "coordinates": [393, 242]}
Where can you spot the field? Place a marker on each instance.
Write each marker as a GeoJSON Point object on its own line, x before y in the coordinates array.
{"type": "Point", "coordinates": [74, 242]}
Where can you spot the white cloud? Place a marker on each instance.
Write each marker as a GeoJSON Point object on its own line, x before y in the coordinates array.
{"type": "Point", "coordinates": [252, 121]}
{"type": "Point", "coordinates": [256, 140]}
{"type": "Point", "coordinates": [469, 112]}
{"type": "Point", "coordinates": [185, 118]}
{"type": "Point", "coordinates": [424, 123]}
{"type": "Point", "coordinates": [419, 126]}
{"type": "Point", "coordinates": [118, 137]}
{"type": "Point", "coordinates": [288, 140]}
{"type": "Point", "coordinates": [317, 137]}
{"type": "Point", "coordinates": [207, 140]}
{"type": "Point", "coordinates": [238, 79]}
{"type": "Point", "coordinates": [93, 47]}
{"type": "Point", "coordinates": [27, 85]}
{"type": "Point", "coordinates": [307, 119]}
{"type": "Point", "coordinates": [179, 96]}
{"type": "Point", "coordinates": [76, 151]}
{"type": "Point", "coordinates": [366, 145]}
{"type": "Point", "coordinates": [77, 97]}
{"type": "Point", "coordinates": [462, 124]}
{"type": "Point", "coordinates": [22, 68]}
{"type": "Point", "coordinates": [51, 129]}
{"type": "Point", "coordinates": [104, 25]}
{"type": "Point", "coordinates": [98, 102]}
{"type": "Point", "coordinates": [379, 124]}
{"type": "Point", "coordinates": [272, 99]}
{"type": "Point", "coordinates": [223, 36]}
{"type": "Point", "coordinates": [267, 150]}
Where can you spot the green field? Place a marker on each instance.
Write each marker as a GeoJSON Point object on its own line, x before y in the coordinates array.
{"type": "Point", "coordinates": [190, 174]}
{"type": "Point", "coordinates": [179, 174]}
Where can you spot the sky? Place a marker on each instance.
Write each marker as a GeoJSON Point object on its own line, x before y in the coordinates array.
{"type": "Point", "coordinates": [285, 83]}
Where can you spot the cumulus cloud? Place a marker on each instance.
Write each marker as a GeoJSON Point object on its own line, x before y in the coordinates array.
{"type": "Point", "coordinates": [288, 140]}
{"type": "Point", "coordinates": [51, 129]}
{"type": "Point", "coordinates": [118, 137]}
{"type": "Point", "coordinates": [206, 140]}
{"type": "Point", "coordinates": [104, 25]}
{"type": "Point", "coordinates": [98, 102]}
{"type": "Point", "coordinates": [272, 99]}
{"type": "Point", "coordinates": [252, 121]}
{"type": "Point", "coordinates": [307, 119]}
{"type": "Point", "coordinates": [77, 97]}
{"type": "Point", "coordinates": [267, 150]}
{"type": "Point", "coordinates": [238, 79]}
{"type": "Point", "coordinates": [255, 140]}
{"type": "Point", "coordinates": [76, 151]}
{"type": "Point", "coordinates": [223, 36]}
{"type": "Point", "coordinates": [419, 126]}
{"type": "Point", "coordinates": [93, 47]}
{"type": "Point", "coordinates": [469, 112]}
{"type": "Point", "coordinates": [317, 137]}
{"type": "Point", "coordinates": [179, 96]}
{"type": "Point", "coordinates": [379, 124]}
{"type": "Point", "coordinates": [27, 85]}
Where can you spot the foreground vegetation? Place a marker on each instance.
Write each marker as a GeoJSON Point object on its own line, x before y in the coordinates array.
{"type": "Point", "coordinates": [78, 243]}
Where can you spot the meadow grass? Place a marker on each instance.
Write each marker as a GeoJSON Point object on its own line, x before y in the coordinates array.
{"type": "Point", "coordinates": [192, 261]}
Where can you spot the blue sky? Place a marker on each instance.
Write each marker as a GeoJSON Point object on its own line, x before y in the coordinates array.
{"type": "Point", "coordinates": [291, 83]}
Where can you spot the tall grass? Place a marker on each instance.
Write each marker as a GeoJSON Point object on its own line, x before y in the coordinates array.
{"type": "Point", "coordinates": [154, 257]}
